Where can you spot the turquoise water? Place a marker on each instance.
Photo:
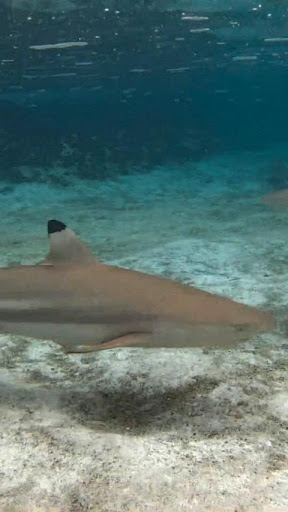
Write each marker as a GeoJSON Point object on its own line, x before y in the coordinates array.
{"type": "Point", "coordinates": [156, 142]}
{"type": "Point", "coordinates": [140, 86]}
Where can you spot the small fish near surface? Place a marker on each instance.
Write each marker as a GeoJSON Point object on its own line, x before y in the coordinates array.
{"type": "Point", "coordinates": [85, 305]}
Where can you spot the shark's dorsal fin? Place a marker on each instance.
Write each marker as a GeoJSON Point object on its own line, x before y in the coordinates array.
{"type": "Point", "coordinates": [65, 246]}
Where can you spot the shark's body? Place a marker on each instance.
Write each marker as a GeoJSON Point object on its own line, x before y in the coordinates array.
{"type": "Point", "coordinates": [278, 199]}
{"type": "Point", "coordinates": [86, 305]}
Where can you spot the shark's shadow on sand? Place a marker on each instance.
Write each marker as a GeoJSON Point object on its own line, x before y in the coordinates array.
{"type": "Point", "coordinates": [138, 412]}
{"type": "Point", "coordinates": [188, 410]}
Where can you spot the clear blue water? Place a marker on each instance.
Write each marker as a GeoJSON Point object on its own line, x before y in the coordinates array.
{"type": "Point", "coordinates": [151, 86]}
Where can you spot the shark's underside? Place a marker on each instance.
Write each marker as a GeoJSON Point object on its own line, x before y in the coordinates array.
{"type": "Point", "coordinates": [85, 305]}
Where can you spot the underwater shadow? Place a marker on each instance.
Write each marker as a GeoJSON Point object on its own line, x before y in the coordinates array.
{"type": "Point", "coordinates": [187, 412]}
{"type": "Point", "coordinates": [121, 410]}
{"type": "Point", "coordinates": [137, 411]}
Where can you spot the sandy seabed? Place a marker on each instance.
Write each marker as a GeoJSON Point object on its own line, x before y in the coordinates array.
{"type": "Point", "coordinates": [139, 430]}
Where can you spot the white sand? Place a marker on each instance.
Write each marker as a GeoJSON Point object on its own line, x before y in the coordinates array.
{"type": "Point", "coordinates": [135, 430]}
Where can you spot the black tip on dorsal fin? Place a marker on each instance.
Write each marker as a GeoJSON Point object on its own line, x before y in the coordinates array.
{"type": "Point", "coordinates": [54, 226]}
{"type": "Point", "coordinates": [65, 246]}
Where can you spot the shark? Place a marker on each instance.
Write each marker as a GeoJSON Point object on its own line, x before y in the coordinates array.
{"type": "Point", "coordinates": [85, 305]}
{"type": "Point", "coordinates": [277, 199]}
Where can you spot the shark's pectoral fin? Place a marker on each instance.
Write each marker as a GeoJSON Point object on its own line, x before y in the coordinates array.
{"type": "Point", "coordinates": [46, 262]}
{"type": "Point", "coordinates": [128, 340]}
{"type": "Point", "coordinates": [81, 349]}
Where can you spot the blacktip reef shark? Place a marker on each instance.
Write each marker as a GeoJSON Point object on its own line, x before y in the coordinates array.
{"type": "Point", "coordinates": [85, 305]}
{"type": "Point", "coordinates": [278, 199]}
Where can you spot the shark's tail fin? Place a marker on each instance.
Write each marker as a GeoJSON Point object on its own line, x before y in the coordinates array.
{"type": "Point", "coordinates": [65, 246]}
